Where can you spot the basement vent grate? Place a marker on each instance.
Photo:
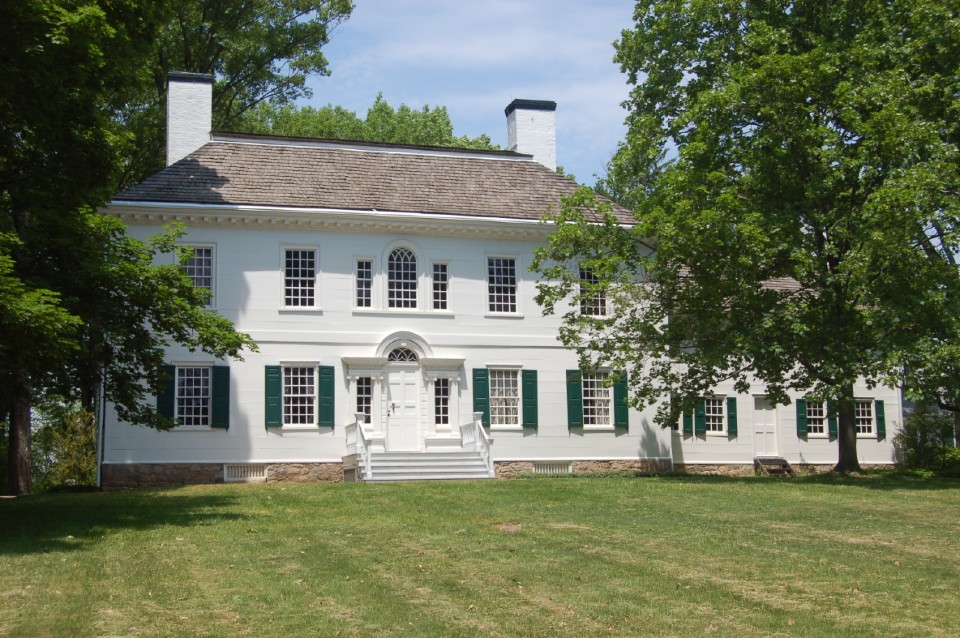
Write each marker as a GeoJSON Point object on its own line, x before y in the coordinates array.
{"type": "Point", "coordinates": [244, 473]}
{"type": "Point", "coordinates": [552, 468]}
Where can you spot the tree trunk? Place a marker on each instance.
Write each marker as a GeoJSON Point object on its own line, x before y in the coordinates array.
{"type": "Point", "coordinates": [847, 435]}
{"type": "Point", "coordinates": [18, 455]}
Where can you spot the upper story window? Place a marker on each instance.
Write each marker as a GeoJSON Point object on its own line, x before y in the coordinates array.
{"type": "Point", "coordinates": [440, 282]}
{"type": "Point", "coordinates": [198, 266]}
{"type": "Point", "coordinates": [364, 283]}
{"type": "Point", "coordinates": [593, 301]}
{"type": "Point", "coordinates": [402, 279]}
{"type": "Point", "coordinates": [502, 284]}
{"type": "Point", "coordinates": [300, 278]}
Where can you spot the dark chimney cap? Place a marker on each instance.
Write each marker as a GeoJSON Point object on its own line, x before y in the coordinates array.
{"type": "Point", "coordinates": [530, 105]}
{"type": "Point", "coordinates": [184, 76]}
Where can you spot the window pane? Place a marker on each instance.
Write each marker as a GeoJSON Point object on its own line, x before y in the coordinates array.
{"type": "Point", "coordinates": [193, 396]}
{"type": "Point", "coordinates": [365, 397]}
{"type": "Point", "coordinates": [502, 284]}
{"type": "Point", "coordinates": [504, 397]}
{"type": "Point", "coordinates": [441, 401]}
{"type": "Point", "coordinates": [364, 284]}
{"type": "Point", "coordinates": [596, 400]}
{"type": "Point", "coordinates": [714, 412]}
{"type": "Point", "coordinates": [299, 278]}
{"type": "Point", "coordinates": [816, 417]}
{"type": "Point", "coordinates": [402, 279]}
{"type": "Point", "coordinates": [864, 417]}
{"type": "Point", "coordinates": [299, 393]}
{"type": "Point", "coordinates": [439, 286]}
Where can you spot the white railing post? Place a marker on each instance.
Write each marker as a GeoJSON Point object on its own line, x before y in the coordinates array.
{"type": "Point", "coordinates": [361, 446]}
{"type": "Point", "coordinates": [482, 441]}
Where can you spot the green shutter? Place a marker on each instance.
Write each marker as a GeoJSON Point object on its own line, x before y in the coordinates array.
{"type": "Point", "coordinates": [700, 417]}
{"type": "Point", "coordinates": [167, 396]}
{"type": "Point", "coordinates": [731, 416]}
{"type": "Point", "coordinates": [881, 422]}
{"type": "Point", "coordinates": [326, 414]}
{"type": "Point", "coordinates": [802, 430]}
{"type": "Point", "coordinates": [574, 399]}
{"type": "Point", "coordinates": [220, 398]}
{"type": "Point", "coordinates": [687, 422]}
{"type": "Point", "coordinates": [481, 394]}
{"type": "Point", "coordinates": [529, 378]}
{"type": "Point", "coordinates": [273, 396]}
{"type": "Point", "coordinates": [621, 409]}
{"type": "Point", "coordinates": [832, 419]}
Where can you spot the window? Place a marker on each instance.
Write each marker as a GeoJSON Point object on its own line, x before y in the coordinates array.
{"type": "Point", "coordinates": [714, 413]}
{"type": "Point", "coordinates": [402, 279]}
{"type": "Point", "coordinates": [364, 283]}
{"type": "Point", "coordinates": [299, 395]}
{"type": "Point", "coordinates": [593, 301]}
{"type": "Point", "coordinates": [863, 414]}
{"type": "Point", "coordinates": [441, 401]}
{"type": "Point", "coordinates": [198, 266]}
{"type": "Point", "coordinates": [440, 287]}
{"type": "Point", "coordinates": [596, 400]}
{"type": "Point", "coordinates": [196, 396]}
{"type": "Point", "coordinates": [402, 355]}
{"type": "Point", "coordinates": [502, 284]}
{"type": "Point", "coordinates": [299, 278]}
{"type": "Point", "coordinates": [365, 397]}
{"type": "Point", "coordinates": [193, 396]}
{"type": "Point", "coordinates": [504, 397]}
{"type": "Point", "coordinates": [816, 417]}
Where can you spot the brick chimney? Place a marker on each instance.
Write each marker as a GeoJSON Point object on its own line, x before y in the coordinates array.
{"type": "Point", "coordinates": [189, 113]}
{"type": "Point", "coordinates": [532, 130]}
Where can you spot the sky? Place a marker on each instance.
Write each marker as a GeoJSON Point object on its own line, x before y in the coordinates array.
{"type": "Point", "coordinates": [476, 56]}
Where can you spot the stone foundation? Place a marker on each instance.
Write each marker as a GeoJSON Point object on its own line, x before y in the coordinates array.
{"type": "Point", "coordinates": [512, 469]}
{"type": "Point", "coordinates": [722, 469]}
{"type": "Point", "coordinates": [119, 477]}
{"type": "Point", "coordinates": [305, 473]}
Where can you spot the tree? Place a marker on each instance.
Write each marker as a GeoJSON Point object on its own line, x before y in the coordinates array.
{"type": "Point", "coordinates": [258, 50]}
{"type": "Point", "coordinates": [403, 125]}
{"type": "Point", "coordinates": [82, 306]}
{"type": "Point", "coordinates": [796, 165]}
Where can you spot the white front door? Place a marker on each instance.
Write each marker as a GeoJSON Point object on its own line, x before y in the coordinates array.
{"type": "Point", "coordinates": [403, 407]}
{"type": "Point", "coordinates": [764, 427]}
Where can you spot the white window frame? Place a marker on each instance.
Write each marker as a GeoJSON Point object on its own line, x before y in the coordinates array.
{"type": "Point", "coordinates": [371, 294]}
{"type": "Point", "coordinates": [595, 306]}
{"type": "Point", "coordinates": [446, 286]}
{"type": "Point", "coordinates": [442, 414]}
{"type": "Point", "coordinates": [818, 423]}
{"type": "Point", "coordinates": [515, 372]}
{"type": "Point", "coordinates": [593, 384]}
{"type": "Point", "coordinates": [284, 249]}
{"type": "Point", "coordinates": [364, 400]}
{"type": "Point", "coordinates": [284, 413]}
{"type": "Point", "coordinates": [417, 292]}
{"type": "Point", "coordinates": [488, 288]}
{"type": "Point", "coordinates": [716, 418]}
{"type": "Point", "coordinates": [177, 414]}
{"type": "Point", "coordinates": [860, 417]}
{"type": "Point", "coordinates": [211, 300]}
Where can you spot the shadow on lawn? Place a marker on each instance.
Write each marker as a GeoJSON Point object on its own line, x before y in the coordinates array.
{"type": "Point", "coordinates": [60, 522]}
{"type": "Point", "coordinates": [870, 480]}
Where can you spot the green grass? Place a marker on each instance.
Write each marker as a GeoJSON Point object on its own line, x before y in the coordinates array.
{"type": "Point", "coordinates": [875, 556]}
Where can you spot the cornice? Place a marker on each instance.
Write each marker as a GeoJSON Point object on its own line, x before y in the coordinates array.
{"type": "Point", "coordinates": [328, 220]}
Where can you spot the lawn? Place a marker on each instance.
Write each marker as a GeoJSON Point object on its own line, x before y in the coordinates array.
{"type": "Point", "coordinates": [874, 556]}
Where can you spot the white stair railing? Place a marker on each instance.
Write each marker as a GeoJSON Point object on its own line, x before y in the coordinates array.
{"type": "Point", "coordinates": [474, 437]}
{"type": "Point", "coordinates": [357, 443]}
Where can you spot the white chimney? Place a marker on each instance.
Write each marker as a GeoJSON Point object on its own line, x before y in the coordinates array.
{"type": "Point", "coordinates": [189, 113]}
{"type": "Point", "coordinates": [532, 130]}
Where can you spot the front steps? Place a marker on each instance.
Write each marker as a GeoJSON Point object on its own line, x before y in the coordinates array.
{"type": "Point", "coordinates": [389, 467]}
{"type": "Point", "coordinates": [772, 466]}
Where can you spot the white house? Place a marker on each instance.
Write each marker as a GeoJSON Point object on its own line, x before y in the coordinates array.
{"type": "Point", "coordinates": [387, 288]}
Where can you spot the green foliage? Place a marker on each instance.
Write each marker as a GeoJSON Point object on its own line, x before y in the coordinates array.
{"type": "Point", "coordinates": [797, 166]}
{"type": "Point", "coordinates": [928, 441]}
{"type": "Point", "coordinates": [258, 50]}
{"type": "Point", "coordinates": [403, 125]}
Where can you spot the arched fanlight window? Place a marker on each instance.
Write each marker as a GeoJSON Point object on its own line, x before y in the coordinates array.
{"type": "Point", "coordinates": [402, 355]}
{"type": "Point", "coordinates": [402, 279]}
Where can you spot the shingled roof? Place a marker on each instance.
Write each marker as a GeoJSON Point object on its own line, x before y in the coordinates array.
{"type": "Point", "coordinates": [290, 172]}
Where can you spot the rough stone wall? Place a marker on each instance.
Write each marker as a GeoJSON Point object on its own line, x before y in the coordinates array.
{"type": "Point", "coordinates": [646, 466]}
{"type": "Point", "coordinates": [724, 469]}
{"type": "Point", "coordinates": [305, 473]}
{"type": "Point", "coordinates": [118, 477]}
{"type": "Point", "coordinates": [510, 469]}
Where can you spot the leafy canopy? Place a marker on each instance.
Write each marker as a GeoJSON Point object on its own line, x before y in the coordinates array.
{"type": "Point", "coordinates": [796, 164]}
{"type": "Point", "coordinates": [403, 125]}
